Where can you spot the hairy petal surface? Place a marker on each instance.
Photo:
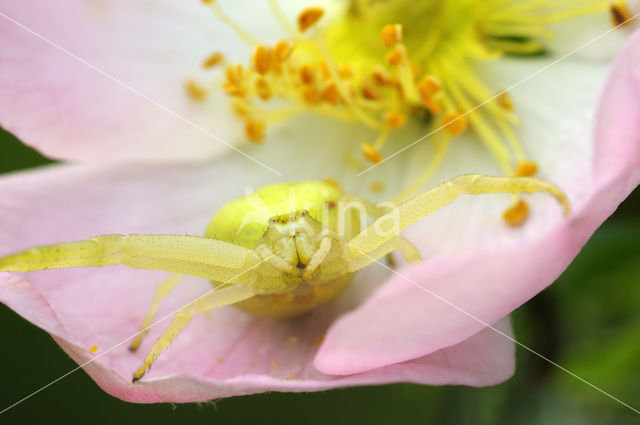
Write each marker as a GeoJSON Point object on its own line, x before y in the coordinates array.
{"type": "Point", "coordinates": [116, 92]}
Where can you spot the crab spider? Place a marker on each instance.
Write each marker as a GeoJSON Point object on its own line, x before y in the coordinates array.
{"type": "Point", "coordinates": [277, 252]}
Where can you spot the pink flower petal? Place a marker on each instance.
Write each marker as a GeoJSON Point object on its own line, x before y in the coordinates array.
{"type": "Point", "coordinates": [489, 284]}
{"type": "Point", "coordinates": [68, 109]}
{"type": "Point", "coordinates": [222, 353]}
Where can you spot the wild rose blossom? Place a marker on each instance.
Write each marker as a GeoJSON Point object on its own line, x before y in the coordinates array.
{"type": "Point", "coordinates": [383, 329]}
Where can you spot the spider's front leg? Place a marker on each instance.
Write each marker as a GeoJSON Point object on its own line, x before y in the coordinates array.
{"type": "Point", "coordinates": [190, 255]}
{"type": "Point", "coordinates": [378, 238]}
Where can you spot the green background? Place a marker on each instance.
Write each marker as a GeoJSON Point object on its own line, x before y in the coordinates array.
{"type": "Point", "coordinates": [588, 322]}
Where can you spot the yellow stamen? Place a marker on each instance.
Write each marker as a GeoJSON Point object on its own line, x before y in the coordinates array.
{"type": "Point", "coordinates": [282, 50]}
{"type": "Point", "coordinates": [395, 119]}
{"type": "Point", "coordinates": [516, 214]}
{"type": "Point", "coordinates": [371, 153]}
{"type": "Point", "coordinates": [261, 59]}
{"type": "Point", "coordinates": [620, 13]}
{"type": "Point", "coordinates": [263, 89]}
{"type": "Point", "coordinates": [331, 95]}
{"type": "Point", "coordinates": [212, 60]}
{"type": "Point", "coordinates": [307, 74]}
{"type": "Point", "coordinates": [455, 123]}
{"type": "Point", "coordinates": [429, 85]}
{"type": "Point", "coordinates": [395, 56]}
{"type": "Point", "coordinates": [195, 90]}
{"type": "Point", "coordinates": [505, 101]}
{"type": "Point", "coordinates": [391, 34]}
{"type": "Point", "coordinates": [526, 169]}
{"type": "Point", "coordinates": [308, 17]}
{"type": "Point", "coordinates": [93, 349]}
{"type": "Point", "coordinates": [310, 95]}
{"type": "Point", "coordinates": [255, 129]}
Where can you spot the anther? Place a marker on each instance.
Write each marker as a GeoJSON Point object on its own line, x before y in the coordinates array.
{"type": "Point", "coordinates": [195, 90]}
{"type": "Point", "coordinates": [254, 129]}
{"type": "Point", "coordinates": [455, 123]}
{"type": "Point", "coordinates": [261, 59]}
{"type": "Point", "coordinates": [371, 153]}
{"type": "Point", "coordinates": [504, 100]}
{"type": "Point", "coordinates": [234, 74]}
{"type": "Point", "coordinates": [516, 214]}
{"type": "Point", "coordinates": [395, 119]}
{"type": "Point", "coordinates": [526, 169]}
{"type": "Point", "coordinates": [331, 95]}
{"type": "Point", "coordinates": [212, 60]}
{"type": "Point", "coordinates": [282, 50]}
{"type": "Point", "coordinates": [391, 34]}
{"type": "Point", "coordinates": [395, 56]}
{"type": "Point", "coordinates": [310, 95]}
{"type": "Point", "coordinates": [429, 85]}
{"type": "Point", "coordinates": [306, 74]}
{"type": "Point", "coordinates": [308, 17]}
{"type": "Point", "coordinates": [620, 13]}
{"type": "Point", "coordinates": [263, 89]}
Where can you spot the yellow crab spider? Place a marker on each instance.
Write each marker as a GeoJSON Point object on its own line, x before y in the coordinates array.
{"type": "Point", "coordinates": [280, 251]}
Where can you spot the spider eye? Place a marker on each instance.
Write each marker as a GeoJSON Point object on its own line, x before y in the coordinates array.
{"type": "Point", "coordinates": [303, 213]}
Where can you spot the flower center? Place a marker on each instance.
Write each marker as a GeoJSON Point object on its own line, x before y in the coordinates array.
{"type": "Point", "coordinates": [383, 62]}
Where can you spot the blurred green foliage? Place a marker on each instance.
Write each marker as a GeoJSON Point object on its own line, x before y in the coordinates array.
{"type": "Point", "coordinates": [588, 322]}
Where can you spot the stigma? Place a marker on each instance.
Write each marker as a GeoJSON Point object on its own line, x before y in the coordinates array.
{"type": "Point", "coordinates": [383, 63]}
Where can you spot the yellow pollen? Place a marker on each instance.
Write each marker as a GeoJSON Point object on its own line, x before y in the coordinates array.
{"type": "Point", "coordinates": [310, 95]}
{"type": "Point", "coordinates": [306, 74]}
{"type": "Point", "coordinates": [526, 169]}
{"type": "Point", "coordinates": [293, 339]}
{"type": "Point", "coordinates": [370, 91]}
{"type": "Point", "coordinates": [381, 76]}
{"type": "Point", "coordinates": [332, 182]}
{"type": "Point", "coordinates": [620, 13]}
{"type": "Point", "coordinates": [219, 359]}
{"type": "Point", "coordinates": [505, 101]}
{"type": "Point", "coordinates": [93, 349]}
{"type": "Point", "coordinates": [455, 123]}
{"type": "Point", "coordinates": [274, 365]}
{"type": "Point", "coordinates": [254, 129]}
{"type": "Point", "coordinates": [290, 377]}
{"type": "Point", "coordinates": [195, 90]}
{"type": "Point", "coordinates": [234, 90]}
{"type": "Point", "coordinates": [377, 186]}
{"type": "Point", "coordinates": [261, 59]}
{"type": "Point", "coordinates": [391, 34]}
{"type": "Point", "coordinates": [240, 109]}
{"type": "Point", "coordinates": [395, 56]}
{"type": "Point", "coordinates": [308, 17]}
{"type": "Point", "coordinates": [429, 85]}
{"type": "Point", "coordinates": [371, 153]}
{"type": "Point", "coordinates": [234, 74]}
{"type": "Point", "coordinates": [282, 50]}
{"type": "Point", "coordinates": [395, 119]}
{"type": "Point", "coordinates": [331, 94]}
{"type": "Point", "coordinates": [212, 60]}
{"type": "Point", "coordinates": [345, 71]}
{"type": "Point", "coordinates": [516, 214]}
{"type": "Point", "coordinates": [263, 89]}
{"type": "Point", "coordinates": [319, 340]}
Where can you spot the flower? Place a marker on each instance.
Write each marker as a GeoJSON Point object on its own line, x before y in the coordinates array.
{"type": "Point", "coordinates": [383, 329]}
